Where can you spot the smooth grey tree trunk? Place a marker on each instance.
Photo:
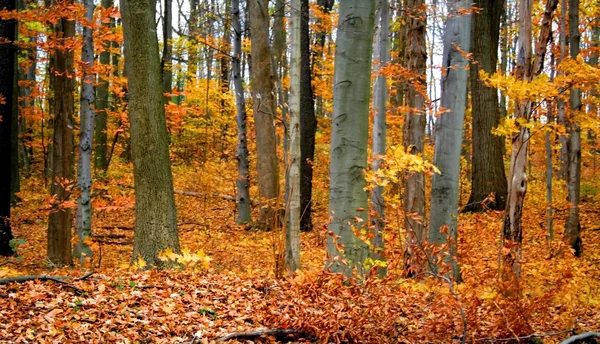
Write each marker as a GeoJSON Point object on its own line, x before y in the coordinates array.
{"type": "Point", "coordinates": [348, 201]}
{"type": "Point", "coordinates": [83, 218]}
{"type": "Point", "coordinates": [572, 226]}
{"type": "Point", "coordinates": [413, 138]}
{"type": "Point", "coordinates": [242, 183]}
{"type": "Point", "coordinates": [155, 215]}
{"type": "Point", "coordinates": [379, 128]}
{"type": "Point", "coordinates": [292, 233]}
{"type": "Point", "coordinates": [448, 135]}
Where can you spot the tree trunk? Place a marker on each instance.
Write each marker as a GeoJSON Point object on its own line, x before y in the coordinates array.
{"type": "Point", "coordinates": [292, 233]}
{"type": "Point", "coordinates": [379, 129]}
{"type": "Point", "coordinates": [242, 183]}
{"type": "Point", "coordinates": [562, 120]}
{"type": "Point", "coordinates": [448, 134]}
{"type": "Point", "coordinates": [155, 217]}
{"type": "Point", "coordinates": [101, 104]}
{"type": "Point", "coordinates": [413, 137]}
{"type": "Point", "coordinates": [308, 122]}
{"type": "Point", "coordinates": [264, 112]}
{"type": "Point", "coordinates": [83, 219]}
{"type": "Point", "coordinates": [167, 55]}
{"type": "Point", "coordinates": [572, 226]}
{"type": "Point", "coordinates": [348, 201]}
{"type": "Point", "coordinates": [60, 221]}
{"type": "Point", "coordinates": [487, 177]}
{"type": "Point", "coordinates": [326, 7]}
{"type": "Point", "coordinates": [512, 230]}
{"type": "Point", "coordinates": [8, 55]}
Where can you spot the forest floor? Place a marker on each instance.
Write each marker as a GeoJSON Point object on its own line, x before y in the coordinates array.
{"type": "Point", "coordinates": [233, 286]}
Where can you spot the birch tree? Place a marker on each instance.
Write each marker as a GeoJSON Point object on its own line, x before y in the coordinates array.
{"type": "Point", "coordinates": [413, 137]}
{"type": "Point", "coordinates": [449, 131]}
{"type": "Point", "coordinates": [512, 230]}
{"type": "Point", "coordinates": [8, 59]}
{"type": "Point", "coordinates": [83, 218]}
{"type": "Point", "coordinates": [348, 200]}
{"type": "Point", "coordinates": [572, 226]}
{"type": "Point", "coordinates": [292, 234]}
{"type": "Point", "coordinates": [379, 125]}
{"type": "Point", "coordinates": [242, 182]}
{"type": "Point", "coordinates": [155, 216]}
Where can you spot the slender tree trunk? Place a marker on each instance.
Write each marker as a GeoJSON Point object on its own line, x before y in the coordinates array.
{"type": "Point", "coordinates": [292, 233]}
{"type": "Point", "coordinates": [326, 7]}
{"type": "Point", "coordinates": [572, 226]}
{"type": "Point", "coordinates": [348, 201]}
{"type": "Point", "coordinates": [60, 221]}
{"type": "Point", "coordinates": [167, 55]}
{"type": "Point", "coordinates": [487, 177]}
{"type": "Point", "coordinates": [308, 122]}
{"type": "Point", "coordinates": [83, 220]}
{"type": "Point", "coordinates": [379, 129]}
{"type": "Point", "coordinates": [155, 216]}
{"type": "Point", "coordinates": [243, 193]}
{"type": "Point", "coordinates": [8, 55]}
{"type": "Point", "coordinates": [414, 132]}
{"type": "Point", "coordinates": [562, 120]}
{"type": "Point", "coordinates": [101, 104]}
{"type": "Point", "coordinates": [549, 169]}
{"type": "Point", "coordinates": [264, 111]}
{"type": "Point", "coordinates": [512, 230]}
{"type": "Point", "coordinates": [448, 133]}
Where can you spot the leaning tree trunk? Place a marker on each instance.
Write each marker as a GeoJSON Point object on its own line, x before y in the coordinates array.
{"type": "Point", "coordinates": [512, 230]}
{"type": "Point", "coordinates": [448, 134]}
{"type": "Point", "coordinates": [59, 223]}
{"type": "Point", "coordinates": [242, 183]}
{"type": "Point", "coordinates": [292, 232]}
{"type": "Point", "coordinates": [487, 177]}
{"type": "Point", "coordinates": [572, 226]}
{"type": "Point", "coordinates": [8, 55]}
{"type": "Point", "coordinates": [379, 129]}
{"type": "Point", "coordinates": [155, 217]}
{"type": "Point", "coordinates": [348, 200]}
{"type": "Point", "coordinates": [413, 137]}
{"type": "Point", "coordinates": [83, 219]}
{"type": "Point", "coordinates": [264, 112]}
{"type": "Point", "coordinates": [308, 123]}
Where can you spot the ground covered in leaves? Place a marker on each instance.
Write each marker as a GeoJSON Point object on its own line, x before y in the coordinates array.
{"type": "Point", "coordinates": [230, 284]}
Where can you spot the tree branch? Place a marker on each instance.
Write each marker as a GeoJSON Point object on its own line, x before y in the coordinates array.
{"type": "Point", "coordinates": [259, 333]}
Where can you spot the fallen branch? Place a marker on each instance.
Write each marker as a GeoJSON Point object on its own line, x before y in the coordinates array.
{"type": "Point", "coordinates": [583, 336]}
{"type": "Point", "coordinates": [202, 195]}
{"type": "Point", "coordinates": [533, 335]}
{"type": "Point", "coordinates": [259, 333]}
{"type": "Point", "coordinates": [43, 278]}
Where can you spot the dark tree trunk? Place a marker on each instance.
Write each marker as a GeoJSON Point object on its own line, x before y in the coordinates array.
{"type": "Point", "coordinates": [100, 135]}
{"type": "Point", "coordinates": [308, 123]}
{"type": "Point", "coordinates": [60, 221]}
{"type": "Point", "coordinates": [488, 176]}
{"type": "Point", "coordinates": [7, 77]}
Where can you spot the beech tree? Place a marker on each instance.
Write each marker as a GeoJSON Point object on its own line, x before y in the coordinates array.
{"type": "Point", "coordinates": [263, 102]}
{"type": "Point", "coordinates": [155, 216]}
{"type": "Point", "coordinates": [348, 201]}
{"type": "Point", "coordinates": [448, 132]}
{"type": "Point", "coordinates": [8, 54]}
{"type": "Point", "coordinates": [61, 162]}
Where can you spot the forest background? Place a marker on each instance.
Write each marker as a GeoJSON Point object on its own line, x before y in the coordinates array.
{"type": "Point", "coordinates": [178, 172]}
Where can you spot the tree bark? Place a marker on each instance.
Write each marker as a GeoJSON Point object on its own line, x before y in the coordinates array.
{"type": "Point", "coordinates": [379, 129]}
{"type": "Point", "coordinates": [8, 55]}
{"type": "Point", "coordinates": [348, 201]}
{"type": "Point", "coordinates": [487, 177]}
{"type": "Point", "coordinates": [308, 122]}
{"type": "Point", "coordinates": [512, 230]}
{"type": "Point", "coordinates": [101, 104]}
{"type": "Point", "coordinates": [572, 226]}
{"type": "Point", "coordinates": [242, 183]}
{"type": "Point", "coordinates": [292, 233]}
{"type": "Point", "coordinates": [155, 216]}
{"type": "Point", "coordinates": [83, 219]}
{"type": "Point", "coordinates": [264, 112]}
{"type": "Point", "coordinates": [167, 54]}
{"type": "Point", "coordinates": [448, 134]}
{"type": "Point", "coordinates": [60, 221]}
